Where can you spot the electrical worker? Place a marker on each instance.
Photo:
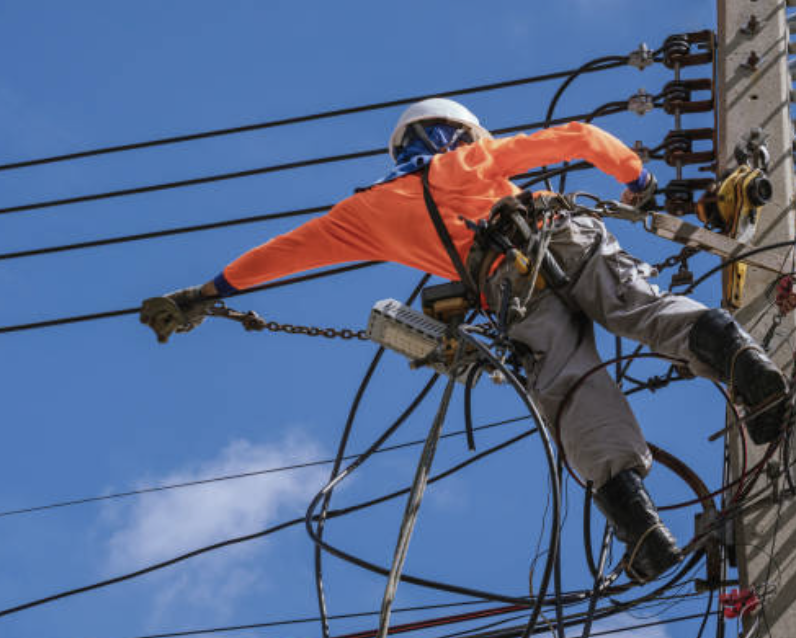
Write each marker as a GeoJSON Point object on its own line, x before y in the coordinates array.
{"type": "Point", "coordinates": [468, 171]}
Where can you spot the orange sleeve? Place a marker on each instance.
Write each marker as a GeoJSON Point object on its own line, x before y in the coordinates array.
{"type": "Point", "coordinates": [334, 238]}
{"type": "Point", "coordinates": [518, 153]}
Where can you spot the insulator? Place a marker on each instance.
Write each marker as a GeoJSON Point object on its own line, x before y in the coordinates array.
{"type": "Point", "coordinates": [676, 143]}
{"type": "Point", "coordinates": [679, 198]}
{"type": "Point", "coordinates": [675, 47]}
{"type": "Point", "coordinates": [675, 92]}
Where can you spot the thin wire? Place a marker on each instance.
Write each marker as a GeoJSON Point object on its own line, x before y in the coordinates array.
{"type": "Point", "coordinates": [300, 621]}
{"type": "Point", "coordinates": [277, 528]}
{"type": "Point", "coordinates": [293, 120]}
{"type": "Point", "coordinates": [232, 477]}
{"type": "Point", "coordinates": [220, 177]}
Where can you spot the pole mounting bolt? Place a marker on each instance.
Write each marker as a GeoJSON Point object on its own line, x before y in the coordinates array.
{"type": "Point", "coordinates": [752, 61]}
{"type": "Point", "coordinates": [751, 27]}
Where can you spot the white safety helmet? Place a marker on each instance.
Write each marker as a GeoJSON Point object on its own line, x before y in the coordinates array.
{"type": "Point", "coordinates": [436, 109]}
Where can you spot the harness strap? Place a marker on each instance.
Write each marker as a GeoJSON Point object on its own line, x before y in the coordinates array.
{"type": "Point", "coordinates": [445, 237]}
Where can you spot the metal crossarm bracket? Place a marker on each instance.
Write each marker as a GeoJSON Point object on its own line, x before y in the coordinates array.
{"type": "Point", "coordinates": [675, 229]}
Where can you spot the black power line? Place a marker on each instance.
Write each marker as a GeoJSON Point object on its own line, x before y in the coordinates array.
{"type": "Point", "coordinates": [300, 621]}
{"type": "Point", "coordinates": [299, 119]}
{"type": "Point", "coordinates": [194, 181]}
{"type": "Point", "coordinates": [131, 311]}
{"type": "Point", "coordinates": [263, 170]}
{"type": "Point", "coordinates": [165, 233]}
{"type": "Point", "coordinates": [182, 230]}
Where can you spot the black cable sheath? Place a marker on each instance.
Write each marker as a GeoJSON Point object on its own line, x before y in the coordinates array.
{"type": "Point", "coordinates": [563, 87]}
{"type": "Point", "coordinates": [341, 450]}
{"type": "Point", "coordinates": [271, 530]}
{"type": "Point", "coordinates": [176, 139]}
{"type": "Point", "coordinates": [151, 568]}
{"type": "Point", "coordinates": [598, 580]}
{"type": "Point", "coordinates": [468, 405]}
{"type": "Point", "coordinates": [555, 528]}
{"type": "Point", "coordinates": [407, 578]}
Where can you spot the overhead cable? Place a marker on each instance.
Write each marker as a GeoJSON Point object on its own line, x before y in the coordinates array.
{"type": "Point", "coordinates": [232, 477]}
{"type": "Point", "coordinates": [108, 241]}
{"type": "Point", "coordinates": [163, 141]}
{"type": "Point", "coordinates": [267, 532]}
{"type": "Point", "coordinates": [301, 621]}
{"type": "Point", "coordinates": [50, 323]}
{"type": "Point", "coordinates": [165, 233]}
{"type": "Point", "coordinates": [263, 170]}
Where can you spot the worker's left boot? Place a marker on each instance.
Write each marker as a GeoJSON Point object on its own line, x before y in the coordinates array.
{"type": "Point", "coordinates": [651, 548]}
{"type": "Point", "coordinates": [717, 340]}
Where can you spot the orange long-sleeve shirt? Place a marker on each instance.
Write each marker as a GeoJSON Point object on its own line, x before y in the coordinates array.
{"type": "Point", "coordinates": [390, 222]}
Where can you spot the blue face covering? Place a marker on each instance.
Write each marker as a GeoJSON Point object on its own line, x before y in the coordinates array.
{"type": "Point", "coordinates": [443, 136]}
{"type": "Point", "coordinates": [415, 155]}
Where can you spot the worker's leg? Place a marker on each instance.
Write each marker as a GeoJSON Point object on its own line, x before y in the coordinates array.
{"type": "Point", "coordinates": [611, 288]}
{"type": "Point", "coordinates": [597, 429]}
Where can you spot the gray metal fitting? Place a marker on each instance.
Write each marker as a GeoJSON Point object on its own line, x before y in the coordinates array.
{"type": "Point", "coordinates": [640, 103]}
{"type": "Point", "coordinates": [641, 58]}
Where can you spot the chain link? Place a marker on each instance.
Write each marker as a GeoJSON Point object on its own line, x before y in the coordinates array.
{"type": "Point", "coordinates": [678, 259]}
{"type": "Point", "coordinates": [313, 331]}
{"type": "Point", "coordinates": [253, 322]}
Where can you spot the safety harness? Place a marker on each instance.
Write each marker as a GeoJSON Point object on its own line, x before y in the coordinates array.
{"type": "Point", "coordinates": [516, 232]}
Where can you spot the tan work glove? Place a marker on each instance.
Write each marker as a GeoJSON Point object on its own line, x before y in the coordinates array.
{"type": "Point", "coordinates": [179, 311]}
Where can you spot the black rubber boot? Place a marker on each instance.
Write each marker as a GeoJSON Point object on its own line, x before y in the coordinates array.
{"type": "Point", "coordinates": [651, 548]}
{"type": "Point", "coordinates": [718, 340]}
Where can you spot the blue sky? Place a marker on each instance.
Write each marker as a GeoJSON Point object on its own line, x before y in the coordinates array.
{"type": "Point", "coordinates": [100, 407]}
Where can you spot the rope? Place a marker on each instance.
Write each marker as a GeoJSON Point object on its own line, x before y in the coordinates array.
{"type": "Point", "coordinates": [636, 548]}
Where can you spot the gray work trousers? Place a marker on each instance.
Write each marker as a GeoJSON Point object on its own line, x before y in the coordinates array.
{"type": "Point", "coordinates": [598, 430]}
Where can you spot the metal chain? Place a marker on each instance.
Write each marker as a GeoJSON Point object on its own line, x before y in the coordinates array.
{"type": "Point", "coordinates": [313, 331]}
{"type": "Point", "coordinates": [678, 259]}
{"type": "Point", "coordinates": [251, 321]}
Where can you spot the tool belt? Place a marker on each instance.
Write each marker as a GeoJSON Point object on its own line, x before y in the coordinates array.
{"type": "Point", "coordinates": [514, 236]}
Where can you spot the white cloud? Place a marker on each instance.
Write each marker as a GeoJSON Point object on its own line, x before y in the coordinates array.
{"type": "Point", "coordinates": [163, 525]}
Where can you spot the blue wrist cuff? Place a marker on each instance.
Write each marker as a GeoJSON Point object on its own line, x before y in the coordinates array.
{"type": "Point", "coordinates": [223, 287]}
{"type": "Point", "coordinates": [637, 185]}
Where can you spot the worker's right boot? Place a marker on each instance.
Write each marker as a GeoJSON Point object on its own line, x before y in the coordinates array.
{"type": "Point", "coordinates": [651, 548]}
{"type": "Point", "coordinates": [717, 340]}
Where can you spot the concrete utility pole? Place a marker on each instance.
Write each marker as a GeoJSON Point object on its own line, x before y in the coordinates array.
{"type": "Point", "coordinates": [754, 90]}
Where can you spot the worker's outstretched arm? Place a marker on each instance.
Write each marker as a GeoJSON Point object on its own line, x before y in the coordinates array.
{"type": "Point", "coordinates": [336, 237]}
{"type": "Point", "coordinates": [574, 141]}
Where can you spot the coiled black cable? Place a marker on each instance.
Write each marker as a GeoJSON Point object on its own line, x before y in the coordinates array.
{"type": "Point", "coordinates": [341, 452]}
